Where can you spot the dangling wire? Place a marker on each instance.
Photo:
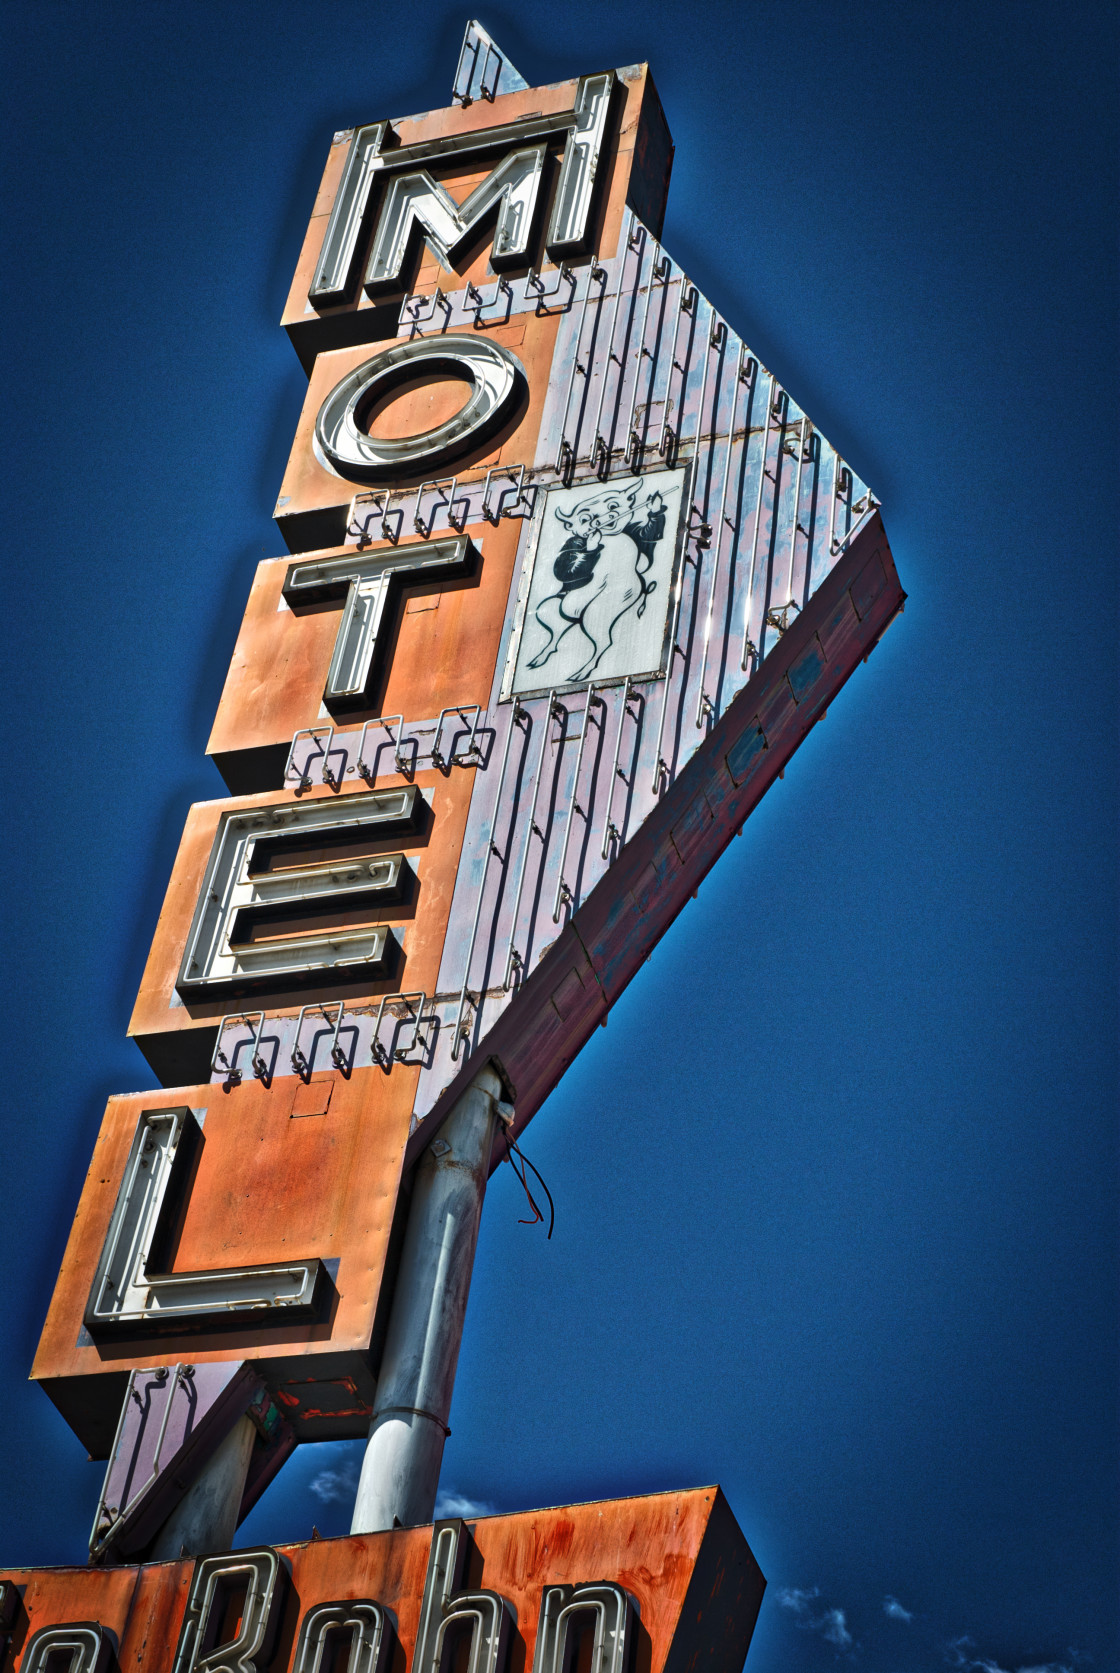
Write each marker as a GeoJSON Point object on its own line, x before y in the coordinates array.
{"type": "Point", "coordinates": [538, 1220]}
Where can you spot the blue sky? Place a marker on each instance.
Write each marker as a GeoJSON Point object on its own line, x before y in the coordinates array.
{"type": "Point", "coordinates": [836, 1188]}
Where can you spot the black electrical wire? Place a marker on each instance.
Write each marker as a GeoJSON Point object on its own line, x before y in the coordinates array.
{"type": "Point", "coordinates": [512, 1151]}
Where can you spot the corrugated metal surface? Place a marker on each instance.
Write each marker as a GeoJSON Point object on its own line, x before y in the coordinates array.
{"type": "Point", "coordinates": [641, 370]}
{"type": "Point", "coordinates": [576, 968]}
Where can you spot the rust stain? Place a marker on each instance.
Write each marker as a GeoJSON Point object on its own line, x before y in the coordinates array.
{"type": "Point", "coordinates": [337, 1179]}
{"type": "Point", "coordinates": [634, 170]}
{"type": "Point", "coordinates": [313, 495]}
{"type": "Point", "coordinates": [422, 924]}
{"type": "Point", "coordinates": [663, 1549]}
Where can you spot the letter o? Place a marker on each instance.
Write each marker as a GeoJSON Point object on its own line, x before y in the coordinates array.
{"type": "Point", "coordinates": [496, 377]}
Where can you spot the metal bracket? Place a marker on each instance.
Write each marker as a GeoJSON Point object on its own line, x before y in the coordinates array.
{"type": "Point", "coordinates": [260, 1068]}
{"type": "Point", "coordinates": [703, 535]}
{"type": "Point", "coordinates": [472, 755]}
{"type": "Point", "coordinates": [534, 282]}
{"type": "Point", "coordinates": [554, 710]}
{"type": "Point", "coordinates": [379, 507]}
{"type": "Point", "coordinates": [872, 504]}
{"type": "Point", "coordinates": [462, 1030]}
{"type": "Point", "coordinates": [566, 453]}
{"type": "Point", "coordinates": [386, 721]}
{"type": "Point", "coordinates": [446, 499]}
{"type": "Point", "coordinates": [601, 449]}
{"type": "Point", "coordinates": [611, 831]}
{"type": "Point", "coordinates": [410, 310]}
{"type": "Point", "coordinates": [399, 1054]}
{"type": "Point", "coordinates": [659, 270]}
{"type": "Point", "coordinates": [474, 47]}
{"type": "Point", "coordinates": [305, 780]}
{"type": "Point", "coordinates": [778, 618]}
{"type": "Point", "coordinates": [564, 892]}
{"type": "Point", "coordinates": [477, 301]}
{"type": "Point", "coordinates": [301, 1063]}
{"type": "Point", "coordinates": [517, 477]}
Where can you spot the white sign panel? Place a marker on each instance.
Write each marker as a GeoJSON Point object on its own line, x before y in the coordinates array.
{"type": "Point", "coordinates": [596, 594]}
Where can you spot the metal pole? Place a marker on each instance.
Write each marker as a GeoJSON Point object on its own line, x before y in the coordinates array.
{"type": "Point", "coordinates": [400, 1470]}
{"type": "Point", "coordinates": [205, 1519]}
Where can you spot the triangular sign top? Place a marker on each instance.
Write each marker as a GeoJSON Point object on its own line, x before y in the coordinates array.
{"type": "Point", "coordinates": [484, 69]}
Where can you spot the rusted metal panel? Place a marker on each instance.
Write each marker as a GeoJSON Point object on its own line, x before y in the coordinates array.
{"type": "Point", "coordinates": [636, 169]}
{"type": "Point", "coordinates": [442, 648]}
{"type": "Point", "coordinates": [680, 1556]}
{"type": "Point", "coordinates": [267, 1187]}
{"type": "Point", "coordinates": [178, 1036]}
{"type": "Point", "coordinates": [314, 501]}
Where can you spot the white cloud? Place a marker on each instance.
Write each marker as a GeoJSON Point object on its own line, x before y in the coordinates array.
{"type": "Point", "coordinates": [894, 1611]}
{"type": "Point", "coordinates": [791, 1597]}
{"type": "Point", "coordinates": [450, 1503]}
{"type": "Point", "coordinates": [961, 1653]}
{"type": "Point", "coordinates": [832, 1624]}
{"type": "Point", "coordinates": [834, 1627]}
{"type": "Point", "coordinates": [336, 1486]}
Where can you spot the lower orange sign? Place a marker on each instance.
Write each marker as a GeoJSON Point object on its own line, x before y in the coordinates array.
{"type": "Point", "coordinates": [659, 1584]}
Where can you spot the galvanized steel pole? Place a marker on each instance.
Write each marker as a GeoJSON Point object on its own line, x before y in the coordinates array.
{"type": "Point", "coordinates": [400, 1470]}
{"type": "Point", "coordinates": [205, 1519]}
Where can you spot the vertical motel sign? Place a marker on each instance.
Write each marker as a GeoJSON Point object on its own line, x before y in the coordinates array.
{"type": "Point", "coordinates": [570, 575]}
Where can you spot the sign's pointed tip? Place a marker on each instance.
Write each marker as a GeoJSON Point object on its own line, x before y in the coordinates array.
{"type": "Point", "coordinates": [483, 69]}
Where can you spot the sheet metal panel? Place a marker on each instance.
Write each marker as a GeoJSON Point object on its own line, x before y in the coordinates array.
{"type": "Point", "coordinates": [619, 367]}
{"type": "Point", "coordinates": [177, 1036]}
{"type": "Point", "coordinates": [636, 168]}
{"type": "Point", "coordinates": [681, 1557]}
{"type": "Point", "coordinates": [442, 647]}
{"type": "Point", "coordinates": [274, 1181]}
{"type": "Point", "coordinates": [581, 967]}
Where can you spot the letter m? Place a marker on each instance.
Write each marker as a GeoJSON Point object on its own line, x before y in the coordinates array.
{"type": "Point", "coordinates": [415, 204]}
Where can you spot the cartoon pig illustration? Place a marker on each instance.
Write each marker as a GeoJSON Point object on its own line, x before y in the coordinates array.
{"type": "Point", "coordinates": [602, 569]}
